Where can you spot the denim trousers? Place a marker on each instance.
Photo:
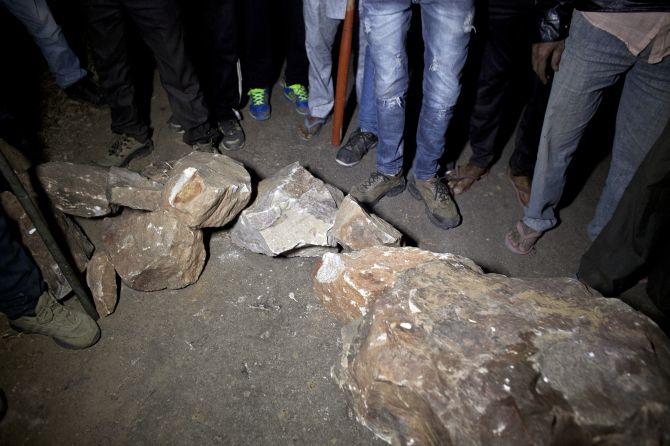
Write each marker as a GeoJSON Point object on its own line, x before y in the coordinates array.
{"type": "Point", "coordinates": [446, 34]}
{"type": "Point", "coordinates": [40, 24]}
{"type": "Point", "coordinates": [594, 60]}
{"type": "Point", "coordinates": [320, 30]}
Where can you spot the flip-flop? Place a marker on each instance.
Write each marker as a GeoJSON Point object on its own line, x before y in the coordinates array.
{"type": "Point", "coordinates": [308, 130]}
{"type": "Point", "coordinates": [520, 192]}
{"type": "Point", "coordinates": [454, 177]}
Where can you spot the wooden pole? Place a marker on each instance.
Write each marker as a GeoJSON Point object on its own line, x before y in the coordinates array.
{"type": "Point", "coordinates": [343, 73]}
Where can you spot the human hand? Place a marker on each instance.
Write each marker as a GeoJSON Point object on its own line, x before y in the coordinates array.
{"type": "Point", "coordinates": [545, 53]}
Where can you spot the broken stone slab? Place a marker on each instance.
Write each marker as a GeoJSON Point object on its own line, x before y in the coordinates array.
{"type": "Point", "coordinates": [207, 189]}
{"type": "Point", "coordinates": [293, 210]}
{"type": "Point", "coordinates": [453, 356]}
{"type": "Point", "coordinates": [153, 250]}
{"type": "Point", "coordinates": [348, 284]}
{"type": "Point", "coordinates": [31, 240]}
{"type": "Point", "coordinates": [355, 229]}
{"type": "Point", "coordinates": [75, 189]}
{"type": "Point", "coordinates": [101, 280]}
{"type": "Point", "coordinates": [79, 246]}
{"type": "Point", "coordinates": [130, 189]}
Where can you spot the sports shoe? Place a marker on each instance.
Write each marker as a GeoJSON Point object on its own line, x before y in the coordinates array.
{"type": "Point", "coordinates": [68, 328]}
{"type": "Point", "coordinates": [259, 104]}
{"type": "Point", "coordinates": [233, 137]}
{"type": "Point", "coordinates": [378, 186]}
{"type": "Point", "coordinates": [440, 206]}
{"type": "Point", "coordinates": [297, 93]}
{"type": "Point", "coordinates": [356, 147]}
{"type": "Point", "coordinates": [85, 90]}
{"type": "Point", "coordinates": [522, 239]}
{"type": "Point", "coordinates": [124, 149]}
{"type": "Point", "coordinates": [175, 126]}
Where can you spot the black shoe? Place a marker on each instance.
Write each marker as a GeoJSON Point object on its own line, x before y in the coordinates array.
{"type": "Point", "coordinates": [85, 90]}
{"type": "Point", "coordinates": [357, 146]}
{"type": "Point", "coordinates": [125, 148]}
{"type": "Point", "coordinates": [175, 126]}
{"type": "Point", "coordinates": [232, 134]}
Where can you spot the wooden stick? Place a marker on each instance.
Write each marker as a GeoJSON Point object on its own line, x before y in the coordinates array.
{"type": "Point", "coordinates": [343, 73]}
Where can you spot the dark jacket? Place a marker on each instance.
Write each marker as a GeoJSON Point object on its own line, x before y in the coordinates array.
{"type": "Point", "coordinates": [553, 16]}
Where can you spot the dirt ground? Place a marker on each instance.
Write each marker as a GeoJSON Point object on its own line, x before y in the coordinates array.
{"type": "Point", "coordinates": [243, 356]}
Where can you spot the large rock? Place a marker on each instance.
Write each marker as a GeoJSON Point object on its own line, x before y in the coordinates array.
{"type": "Point", "coordinates": [347, 284]}
{"type": "Point", "coordinates": [207, 189]}
{"type": "Point", "coordinates": [153, 250]}
{"type": "Point", "coordinates": [293, 211]}
{"type": "Point", "coordinates": [75, 189]}
{"type": "Point", "coordinates": [101, 280]}
{"type": "Point", "coordinates": [355, 229]}
{"type": "Point", "coordinates": [451, 356]}
{"type": "Point", "coordinates": [130, 189]}
{"type": "Point", "coordinates": [79, 247]}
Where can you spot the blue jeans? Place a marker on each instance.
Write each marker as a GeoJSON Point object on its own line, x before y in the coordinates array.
{"type": "Point", "coordinates": [40, 24]}
{"type": "Point", "coordinates": [367, 105]}
{"type": "Point", "coordinates": [593, 61]}
{"type": "Point", "coordinates": [446, 33]}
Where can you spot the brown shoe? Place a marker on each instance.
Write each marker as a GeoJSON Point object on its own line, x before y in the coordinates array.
{"type": "Point", "coordinates": [310, 127]}
{"type": "Point", "coordinates": [522, 239]}
{"type": "Point", "coordinates": [522, 186]}
{"type": "Point", "coordinates": [463, 177]}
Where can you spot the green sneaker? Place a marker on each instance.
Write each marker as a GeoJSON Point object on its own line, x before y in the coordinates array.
{"type": "Point", "coordinates": [69, 329]}
{"type": "Point", "coordinates": [378, 186]}
{"type": "Point", "coordinates": [298, 95]}
{"type": "Point", "coordinates": [440, 206]}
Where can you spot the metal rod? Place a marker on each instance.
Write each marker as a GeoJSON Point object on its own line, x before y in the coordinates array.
{"type": "Point", "coordinates": [343, 73]}
{"type": "Point", "coordinates": [43, 230]}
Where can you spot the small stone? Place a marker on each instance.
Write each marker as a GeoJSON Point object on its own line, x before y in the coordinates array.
{"type": "Point", "coordinates": [101, 280]}
{"type": "Point", "coordinates": [75, 189]}
{"type": "Point", "coordinates": [355, 229]}
{"type": "Point", "coordinates": [153, 250]}
{"type": "Point", "coordinates": [130, 189]}
{"type": "Point", "coordinates": [207, 190]}
{"type": "Point", "coordinates": [292, 214]}
{"type": "Point", "coordinates": [348, 284]}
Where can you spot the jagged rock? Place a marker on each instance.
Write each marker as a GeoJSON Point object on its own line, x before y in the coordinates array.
{"type": "Point", "coordinates": [130, 189]}
{"type": "Point", "coordinates": [101, 280]}
{"type": "Point", "coordinates": [75, 189]}
{"type": "Point", "coordinates": [153, 250]}
{"type": "Point", "coordinates": [453, 356]}
{"type": "Point", "coordinates": [293, 210]}
{"type": "Point", "coordinates": [207, 189]}
{"type": "Point", "coordinates": [79, 246]}
{"type": "Point", "coordinates": [31, 240]}
{"type": "Point", "coordinates": [355, 229]}
{"type": "Point", "coordinates": [348, 284]}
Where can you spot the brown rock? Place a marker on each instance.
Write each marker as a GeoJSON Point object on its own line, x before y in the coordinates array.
{"type": "Point", "coordinates": [79, 246]}
{"type": "Point", "coordinates": [153, 250]}
{"type": "Point", "coordinates": [453, 356]}
{"type": "Point", "coordinates": [130, 189]}
{"type": "Point", "coordinates": [101, 279]}
{"type": "Point", "coordinates": [355, 229]}
{"type": "Point", "coordinates": [207, 189]}
{"type": "Point", "coordinates": [347, 284]}
{"type": "Point", "coordinates": [75, 189]}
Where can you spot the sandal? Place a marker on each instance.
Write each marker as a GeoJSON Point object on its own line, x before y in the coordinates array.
{"type": "Point", "coordinates": [522, 239]}
{"type": "Point", "coordinates": [310, 127]}
{"type": "Point", "coordinates": [522, 187]}
{"type": "Point", "coordinates": [463, 177]}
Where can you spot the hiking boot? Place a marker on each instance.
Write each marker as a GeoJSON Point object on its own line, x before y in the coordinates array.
{"type": "Point", "coordinates": [68, 328]}
{"type": "Point", "coordinates": [440, 206]}
{"type": "Point", "coordinates": [310, 127]}
{"type": "Point", "coordinates": [125, 148]}
{"type": "Point", "coordinates": [259, 104]}
{"type": "Point", "coordinates": [297, 93]}
{"type": "Point", "coordinates": [522, 239]}
{"type": "Point", "coordinates": [356, 147]}
{"type": "Point", "coordinates": [377, 186]}
{"type": "Point", "coordinates": [85, 90]}
{"type": "Point", "coordinates": [175, 126]}
{"type": "Point", "coordinates": [233, 137]}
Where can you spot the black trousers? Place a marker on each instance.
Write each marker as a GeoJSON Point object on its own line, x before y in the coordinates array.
{"type": "Point", "coordinates": [506, 56]}
{"type": "Point", "coordinates": [159, 25]}
{"type": "Point", "coordinates": [20, 281]}
{"type": "Point", "coordinates": [266, 21]}
{"type": "Point", "coordinates": [636, 240]}
{"type": "Point", "coordinates": [211, 39]}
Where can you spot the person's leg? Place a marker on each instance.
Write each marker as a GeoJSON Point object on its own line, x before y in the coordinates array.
{"type": "Point", "coordinates": [297, 65]}
{"type": "Point", "coordinates": [110, 55]}
{"type": "Point", "coordinates": [644, 110]}
{"type": "Point", "coordinates": [592, 61]}
{"type": "Point", "coordinates": [257, 62]}
{"type": "Point", "coordinates": [160, 26]}
{"type": "Point", "coordinates": [365, 82]}
{"type": "Point", "coordinates": [36, 17]}
{"type": "Point", "coordinates": [446, 33]}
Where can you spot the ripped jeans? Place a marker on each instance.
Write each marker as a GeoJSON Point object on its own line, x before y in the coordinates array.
{"type": "Point", "coordinates": [446, 33]}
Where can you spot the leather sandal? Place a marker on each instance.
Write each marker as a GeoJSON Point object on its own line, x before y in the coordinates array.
{"type": "Point", "coordinates": [463, 177]}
